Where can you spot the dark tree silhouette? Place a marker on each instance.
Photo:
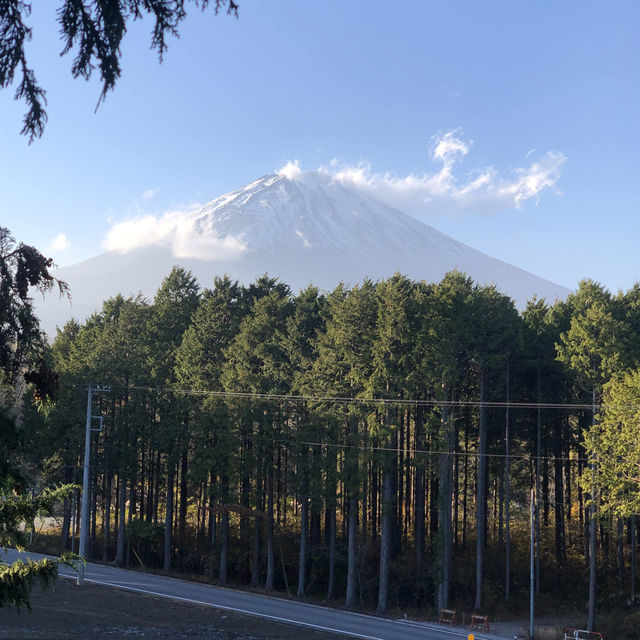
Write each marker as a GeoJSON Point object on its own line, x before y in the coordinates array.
{"type": "Point", "coordinates": [94, 30]}
{"type": "Point", "coordinates": [22, 268]}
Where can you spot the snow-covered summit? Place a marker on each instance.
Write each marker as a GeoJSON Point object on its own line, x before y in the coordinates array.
{"type": "Point", "coordinates": [312, 210]}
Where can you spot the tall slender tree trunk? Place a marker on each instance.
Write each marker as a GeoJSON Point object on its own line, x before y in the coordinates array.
{"type": "Point", "coordinates": [481, 493]}
{"type": "Point", "coordinates": [224, 530]}
{"type": "Point", "coordinates": [168, 518]}
{"type": "Point", "coordinates": [387, 527]}
{"type": "Point", "coordinates": [374, 502]}
{"type": "Point", "coordinates": [255, 562]}
{"type": "Point", "coordinates": [130, 514]}
{"type": "Point", "coordinates": [409, 480]}
{"type": "Point", "coordinates": [592, 538]}
{"type": "Point", "coordinates": [66, 517]}
{"type": "Point", "coordinates": [93, 515]}
{"type": "Point", "coordinates": [538, 465]}
{"type": "Point", "coordinates": [156, 493]}
{"type": "Point", "coordinates": [224, 547]}
{"type": "Point", "coordinates": [184, 498]}
{"type": "Point", "coordinates": [332, 488]}
{"type": "Point", "coordinates": [444, 509]}
{"type": "Point", "coordinates": [121, 520]}
{"type": "Point", "coordinates": [561, 546]}
{"type": "Point", "coordinates": [456, 486]}
{"type": "Point", "coordinates": [620, 542]}
{"type": "Point", "coordinates": [419, 492]}
{"type": "Point", "coordinates": [304, 527]}
{"type": "Point", "coordinates": [507, 491]}
{"type": "Point", "coordinates": [151, 492]}
{"type": "Point", "coordinates": [352, 513]}
{"type": "Point", "coordinates": [567, 479]}
{"type": "Point", "coordinates": [465, 490]}
{"type": "Point", "coordinates": [332, 554]}
{"type": "Point", "coordinates": [271, 563]}
{"type": "Point", "coordinates": [106, 520]}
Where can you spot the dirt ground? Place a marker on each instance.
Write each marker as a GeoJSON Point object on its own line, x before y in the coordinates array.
{"type": "Point", "coordinates": [100, 612]}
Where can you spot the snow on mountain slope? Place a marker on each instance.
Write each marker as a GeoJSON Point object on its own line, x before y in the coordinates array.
{"type": "Point", "coordinates": [303, 229]}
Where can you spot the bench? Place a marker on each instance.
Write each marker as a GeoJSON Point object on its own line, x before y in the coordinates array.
{"type": "Point", "coordinates": [479, 623]}
{"type": "Point", "coordinates": [447, 616]}
{"type": "Point", "coordinates": [581, 634]}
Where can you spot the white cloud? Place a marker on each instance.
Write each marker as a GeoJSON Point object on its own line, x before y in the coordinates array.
{"type": "Point", "coordinates": [148, 194]}
{"type": "Point", "coordinates": [59, 243]}
{"type": "Point", "coordinates": [442, 192]}
{"type": "Point", "coordinates": [291, 170]}
{"type": "Point", "coordinates": [177, 230]}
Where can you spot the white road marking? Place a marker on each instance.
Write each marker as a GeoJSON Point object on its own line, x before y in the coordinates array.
{"type": "Point", "coordinates": [245, 611]}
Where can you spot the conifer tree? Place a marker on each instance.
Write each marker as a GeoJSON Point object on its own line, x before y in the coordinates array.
{"type": "Point", "coordinates": [591, 348]}
{"type": "Point", "coordinates": [257, 363]}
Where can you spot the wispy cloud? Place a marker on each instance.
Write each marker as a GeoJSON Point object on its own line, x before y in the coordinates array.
{"type": "Point", "coordinates": [177, 230]}
{"type": "Point", "coordinates": [448, 189]}
{"type": "Point", "coordinates": [59, 243]}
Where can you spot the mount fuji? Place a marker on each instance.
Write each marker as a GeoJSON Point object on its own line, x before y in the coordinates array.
{"type": "Point", "coordinates": [303, 228]}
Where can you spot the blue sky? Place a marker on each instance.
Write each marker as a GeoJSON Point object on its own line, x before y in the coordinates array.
{"type": "Point", "coordinates": [539, 100]}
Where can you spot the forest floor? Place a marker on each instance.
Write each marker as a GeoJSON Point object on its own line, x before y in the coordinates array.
{"type": "Point", "coordinates": [100, 612]}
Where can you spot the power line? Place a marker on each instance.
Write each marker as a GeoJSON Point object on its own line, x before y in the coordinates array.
{"type": "Point", "coordinates": [463, 454]}
{"type": "Point", "coordinates": [281, 397]}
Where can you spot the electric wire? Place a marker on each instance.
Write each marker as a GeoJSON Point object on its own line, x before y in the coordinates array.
{"type": "Point", "coordinates": [281, 397]}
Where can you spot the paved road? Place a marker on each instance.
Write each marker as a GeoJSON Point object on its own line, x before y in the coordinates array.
{"type": "Point", "coordinates": [288, 611]}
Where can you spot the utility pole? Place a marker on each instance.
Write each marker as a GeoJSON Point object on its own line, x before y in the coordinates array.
{"type": "Point", "coordinates": [84, 513]}
{"type": "Point", "coordinates": [592, 530]}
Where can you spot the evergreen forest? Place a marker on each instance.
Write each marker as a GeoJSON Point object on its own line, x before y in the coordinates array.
{"type": "Point", "coordinates": [378, 446]}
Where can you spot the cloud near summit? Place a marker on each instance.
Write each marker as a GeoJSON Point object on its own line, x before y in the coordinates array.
{"type": "Point", "coordinates": [176, 230]}
{"type": "Point", "coordinates": [442, 192]}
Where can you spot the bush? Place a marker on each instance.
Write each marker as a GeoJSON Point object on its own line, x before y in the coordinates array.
{"type": "Point", "coordinates": [146, 540]}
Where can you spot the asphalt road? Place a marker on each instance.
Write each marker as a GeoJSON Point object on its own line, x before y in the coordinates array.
{"type": "Point", "coordinates": [288, 611]}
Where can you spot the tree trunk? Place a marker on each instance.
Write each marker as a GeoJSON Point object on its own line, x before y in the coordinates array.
{"type": "Point", "coordinates": [352, 551]}
{"type": "Point", "coordinates": [538, 471]}
{"type": "Point", "coordinates": [183, 501]}
{"type": "Point", "coordinates": [465, 490]}
{"type": "Point", "coordinates": [168, 518]}
{"type": "Point", "coordinates": [270, 534]}
{"type": "Point", "coordinates": [444, 510]}
{"type": "Point", "coordinates": [106, 520]}
{"type": "Point", "coordinates": [620, 541]}
{"type": "Point", "coordinates": [332, 488]}
{"type": "Point", "coordinates": [93, 514]}
{"type": "Point", "coordinates": [304, 525]}
{"type": "Point", "coordinates": [156, 493]}
{"type": "Point", "coordinates": [332, 554]}
{"type": "Point", "coordinates": [481, 493]}
{"type": "Point", "coordinates": [66, 518]}
{"type": "Point", "coordinates": [352, 513]}
{"type": "Point", "coordinates": [224, 548]}
{"type": "Point", "coordinates": [419, 491]}
{"type": "Point", "coordinates": [387, 526]}
{"type": "Point", "coordinates": [255, 560]}
{"type": "Point", "coordinates": [121, 520]}
{"type": "Point", "coordinates": [561, 547]}
{"type": "Point", "coordinates": [592, 540]}
{"type": "Point", "coordinates": [507, 492]}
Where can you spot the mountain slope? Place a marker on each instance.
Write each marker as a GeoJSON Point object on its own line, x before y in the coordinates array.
{"type": "Point", "coordinates": [307, 229]}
